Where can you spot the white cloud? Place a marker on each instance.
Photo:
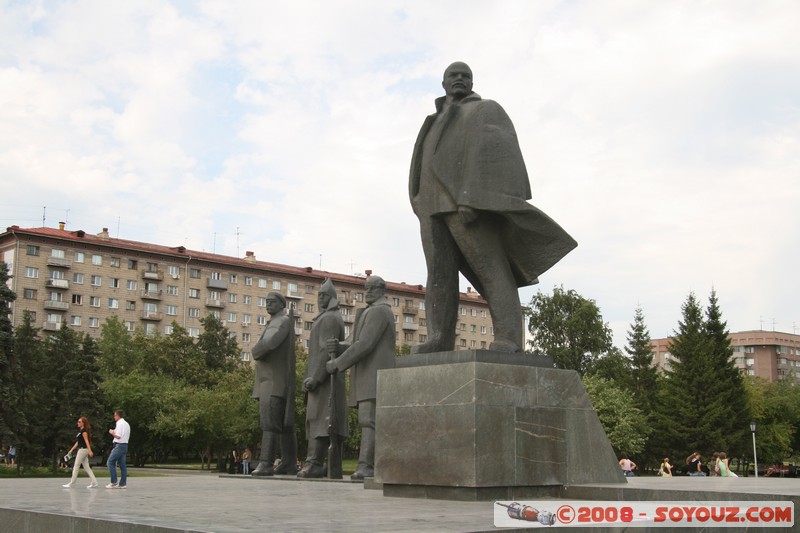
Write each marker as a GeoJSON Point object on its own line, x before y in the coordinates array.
{"type": "Point", "coordinates": [664, 137]}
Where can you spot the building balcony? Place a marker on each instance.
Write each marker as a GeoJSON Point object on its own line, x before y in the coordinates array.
{"type": "Point", "coordinates": [58, 262]}
{"type": "Point", "coordinates": [57, 284]}
{"type": "Point", "coordinates": [410, 309]}
{"type": "Point", "coordinates": [151, 295]}
{"type": "Point", "coordinates": [349, 319]}
{"type": "Point", "coordinates": [151, 274]}
{"type": "Point", "coordinates": [245, 324]}
{"type": "Point", "coordinates": [215, 302]}
{"type": "Point", "coordinates": [410, 326]}
{"type": "Point", "coordinates": [298, 332]}
{"type": "Point", "coordinates": [295, 295]}
{"type": "Point", "coordinates": [51, 326]}
{"type": "Point", "coordinates": [217, 284]}
{"type": "Point", "coordinates": [347, 301]}
{"type": "Point", "coordinates": [152, 315]}
{"type": "Point", "coordinates": [296, 312]}
{"type": "Point", "coordinates": [55, 305]}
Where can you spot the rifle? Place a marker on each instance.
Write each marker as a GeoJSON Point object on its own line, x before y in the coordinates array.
{"type": "Point", "coordinates": [335, 446]}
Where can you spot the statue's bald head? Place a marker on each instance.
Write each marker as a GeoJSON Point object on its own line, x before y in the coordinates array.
{"type": "Point", "coordinates": [457, 80]}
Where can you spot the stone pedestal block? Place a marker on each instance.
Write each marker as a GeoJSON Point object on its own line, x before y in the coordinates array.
{"type": "Point", "coordinates": [463, 427]}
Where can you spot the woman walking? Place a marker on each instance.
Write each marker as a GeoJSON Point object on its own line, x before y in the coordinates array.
{"type": "Point", "coordinates": [83, 442]}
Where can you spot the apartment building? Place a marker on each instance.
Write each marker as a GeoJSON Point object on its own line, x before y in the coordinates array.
{"type": "Point", "coordinates": [772, 355]}
{"type": "Point", "coordinates": [80, 279]}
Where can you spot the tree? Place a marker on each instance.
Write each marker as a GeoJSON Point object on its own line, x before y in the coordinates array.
{"type": "Point", "coordinates": [29, 427]}
{"type": "Point", "coordinates": [614, 367]}
{"type": "Point", "coordinates": [698, 407]}
{"type": "Point", "coordinates": [624, 423]}
{"type": "Point", "coordinates": [9, 368]}
{"type": "Point", "coordinates": [643, 373]}
{"type": "Point", "coordinates": [569, 328]}
{"type": "Point", "coordinates": [775, 407]}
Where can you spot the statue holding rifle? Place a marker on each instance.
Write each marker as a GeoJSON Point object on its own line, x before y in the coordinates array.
{"type": "Point", "coordinates": [326, 414]}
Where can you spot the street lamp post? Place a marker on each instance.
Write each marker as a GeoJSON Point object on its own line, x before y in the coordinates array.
{"type": "Point", "coordinates": [755, 457]}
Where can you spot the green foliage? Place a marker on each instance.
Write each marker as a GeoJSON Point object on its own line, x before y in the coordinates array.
{"type": "Point", "coordinates": [776, 411]}
{"type": "Point", "coordinates": [624, 423]}
{"type": "Point", "coordinates": [614, 367]}
{"type": "Point", "coordinates": [643, 372]}
{"type": "Point", "coordinates": [702, 405]}
{"type": "Point", "coordinates": [569, 328]}
{"type": "Point", "coordinates": [9, 366]}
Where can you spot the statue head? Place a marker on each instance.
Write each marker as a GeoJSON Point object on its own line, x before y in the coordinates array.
{"type": "Point", "coordinates": [275, 303]}
{"type": "Point", "coordinates": [457, 80]}
{"type": "Point", "coordinates": [375, 288]}
{"type": "Point", "coordinates": [327, 295]}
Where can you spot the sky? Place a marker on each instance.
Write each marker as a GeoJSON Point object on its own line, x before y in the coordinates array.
{"type": "Point", "coordinates": [663, 136]}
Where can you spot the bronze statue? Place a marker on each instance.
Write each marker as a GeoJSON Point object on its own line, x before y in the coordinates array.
{"type": "Point", "coordinates": [468, 187]}
{"type": "Point", "coordinates": [319, 385]}
{"type": "Point", "coordinates": [371, 348]}
{"type": "Point", "coordinates": [274, 388]}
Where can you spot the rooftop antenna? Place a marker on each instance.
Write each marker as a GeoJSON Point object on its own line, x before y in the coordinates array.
{"type": "Point", "coordinates": [44, 211]}
{"type": "Point", "coordinates": [320, 261]}
{"type": "Point", "coordinates": [352, 264]}
{"type": "Point", "coordinates": [237, 241]}
{"type": "Point", "coordinates": [66, 219]}
{"type": "Point", "coordinates": [773, 324]}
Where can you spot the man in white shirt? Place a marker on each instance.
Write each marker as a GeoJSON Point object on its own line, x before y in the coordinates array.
{"type": "Point", "coordinates": [121, 434]}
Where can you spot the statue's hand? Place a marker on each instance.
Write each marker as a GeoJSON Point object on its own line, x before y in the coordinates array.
{"type": "Point", "coordinates": [309, 385]}
{"type": "Point", "coordinates": [332, 345]}
{"type": "Point", "coordinates": [467, 214]}
{"type": "Point", "coordinates": [331, 367]}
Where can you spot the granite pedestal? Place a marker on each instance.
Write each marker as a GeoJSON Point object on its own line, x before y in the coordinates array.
{"type": "Point", "coordinates": [481, 425]}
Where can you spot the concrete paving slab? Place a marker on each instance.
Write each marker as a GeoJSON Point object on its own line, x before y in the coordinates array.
{"type": "Point", "coordinates": [208, 502]}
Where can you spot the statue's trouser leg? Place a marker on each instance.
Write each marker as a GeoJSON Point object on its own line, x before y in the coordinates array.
{"type": "Point", "coordinates": [289, 449]}
{"type": "Point", "coordinates": [366, 419]}
{"type": "Point", "coordinates": [481, 245]}
{"type": "Point", "coordinates": [442, 258]}
{"type": "Point", "coordinates": [317, 450]}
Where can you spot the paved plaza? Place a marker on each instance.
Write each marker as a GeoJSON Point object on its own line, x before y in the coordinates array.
{"type": "Point", "coordinates": [208, 502]}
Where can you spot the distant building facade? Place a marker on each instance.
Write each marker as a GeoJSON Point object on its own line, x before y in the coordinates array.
{"type": "Point", "coordinates": [79, 279]}
{"type": "Point", "coordinates": [771, 355]}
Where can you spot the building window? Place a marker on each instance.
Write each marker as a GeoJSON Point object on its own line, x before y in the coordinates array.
{"type": "Point", "coordinates": [473, 328]}
{"type": "Point", "coordinates": [77, 299]}
{"type": "Point", "coordinates": [245, 337]}
{"type": "Point", "coordinates": [152, 267]}
{"type": "Point", "coordinates": [115, 283]}
{"type": "Point", "coordinates": [77, 277]}
{"type": "Point", "coordinates": [309, 308]}
{"type": "Point", "coordinates": [463, 343]}
{"type": "Point", "coordinates": [94, 322]}
{"type": "Point", "coordinates": [57, 253]}
{"type": "Point", "coordinates": [395, 302]}
{"type": "Point", "coordinates": [80, 257]}
{"type": "Point", "coordinates": [97, 260]}
{"type": "Point", "coordinates": [29, 294]}
{"type": "Point", "coordinates": [359, 296]}
{"type": "Point", "coordinates": [74, 320]}
{"type": "Point", "coordinates": [473, 312]}
{"type": "Point", "coordinates": [307, 325]}
{"type": "Point", "coordinates": [214, 313]}
{"type": "Point", "coordinates": [408, 319]}
{"type": "Point", "coordinates": [150, 329]}
{"type": "Point", "coordinates": [423, 338]}
{"type": "Point", "coordinates": [248, 280]}
{"type": "Point", "coordinates": [168, 330]}
{"type": "Point", "coordinates": [247, 300]}
{"type": "Point", "coordinates": [245, 356]}
{"type": "Point", "coordinates": [114, 262]}
{"type": "Point", "coordinates": [96, 281]}
{"type": "Point", "coordinates": [32, 250]}
{"type": "Point", "coordinates": [231, 297]}
{"type": "Point", "coordinates": [94, 301]}
{"type": "Point", "coordinates": [194, 312]}
{"type": "Point", "coordinates": [213, 295]}
{"type": "Point", "coordinates": [262, 320]}
{"type": "Point", "coordinates": [171, 310]}
{"type": "Point", "coordinates": [423, 322]}
{"type": "Point", "coordinates": [129, 325]}
{"type": "Point", "coordinates": [216, 275]}
{"type": "Point", "coordinates": [150, 309]}
{"type": "Point", "coordinates": [132, 264]}
{"type": "Point", "coordinates": [194, 273]}
{"type": "Point", "coordinates": [262, 283]}
{"type": "Point", "coordinates": [113, 303]}
{"type": "Point", "coordinates": [31, 272]}
{"type": "Point", "coordinates": [56, 274]}
{"type": "Point", "coordinates": [245, 319]}
{"type": "Point", "coordinates": [462, 311]}
{"type": "Point", "coordinates": [131, 284]}
{"type": "Point", "coordinates": [409, 337]}
{"type": "Point", "coordinates": [483, 330]}
{"type": "Point", "coordinates": [234, 278]}
{"type": "Point", "coordinates": [291, 288]}
{"type": "Point", "coordinates": [231, 317]}
{"type": "Point", "coordinates": [194, 293]}
{"type": "Point", "coordinates": [276, 285]}
{"type": "Point", "coordinates": [130, 305]}
{"type": "Point", "coordinates": [422, 305]}
{"type": "Point", "coordinates": [172, 290]}
{"type": "Point", "coordinates": [262, 301]}
{"type": "Point", "coordinates": [174, 271]}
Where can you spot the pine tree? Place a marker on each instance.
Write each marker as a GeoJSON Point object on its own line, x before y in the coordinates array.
{"type": "Point", "coordinates": [686, 412]}
{"type": "Point", "coordinates": [643, 373]}
{"type": "Point", "coordinates": [727, 385]}
{"type": "Point", "coordinates": [30, 425]}
{"type": "Point", "coordinates": [8, 362]}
